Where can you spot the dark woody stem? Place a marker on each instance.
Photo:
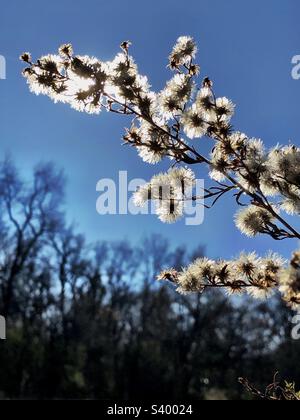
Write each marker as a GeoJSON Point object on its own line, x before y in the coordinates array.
{"type": "Point", "coordinates": [283, 222]}
{"type": "Point", "coordinates": [238, 285]}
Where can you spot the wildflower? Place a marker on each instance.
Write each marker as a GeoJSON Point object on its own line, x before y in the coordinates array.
{"type": "Point", "coordinates": [290, 283]}
{"type": "Point", "coordinates": [188, 283]}
{"type": "Point", "coordinates": [194, 123]}
{"type": "Point", "coordinates": [162, 188]}
{"type": "Point", "coordinates": [269, 185]}
{"type": "Point", "coordinates": [194, 70]}
{"type": "Point", "coordinates": [38, 81]}
{"type": "Point", "coordinates": [237, 141]}
{"type": "Point", "coordinates": [205, 100]}
{"type": "Point", "coordinates": [253, 220]}
{"type": "Point", "coordinates": [253, 168]}
{"type": "Point", "coordinates": [220, 163]}
{"type": "Point", "coordinates": [151, 153]}
{"type": "Point", "coordinates": [182, 178]}
{"type": "Point", "coordinates": [291, 206]}
{"type": "Point", "coordinates": [224, 272]}
{"type": "Point", "coordinates": [126, 83]}
{"type": "Point", "coordinates": [224, 109]}
{"type": "Point", "coordinates": [273, 263]}
{"type": "Point", "coordinates": [125, 45]}
{"type": "Point", "coordinates": [169, 104]}
{"type": "Point", "coordinates": [207, 83]}
{"type": "Point", "coordinates": [247, 264]}
{"type": "Point", "coordinates": [286, 161]}
{"type": "Point", "coordinates": [260, 292]}
{"type": "Point", "coordinates": [66, 50]}
{"type": "Point", "coordinates": [248, 273]}
{"type": "Point", "coordinates": [179, 88]}
{"type": "Point", "coordinates": [175, 183]}
{"type": "Point", "coordinates": [169, 275]}
{"type": "Point", "coordinates": [184, 50]}
{"type": "Point", "coordinates": [142, 195]}
{"type": "Point", "coordinates": [26, 57]}
{"type": "Point", "coordinates": [195, 277]}
{"type": "Point", "coordinates": [281, 177]}
{"type": "Point", "coordinates": [153, 142]}
{"type": "Point", "coordinates": [169, 211]}
{"type": "Point", "coordinates": [169, 191]}
{"type": "Point", "coordinates": [50, 63]}
{"type": "Point", "coordinates": [217, 174]}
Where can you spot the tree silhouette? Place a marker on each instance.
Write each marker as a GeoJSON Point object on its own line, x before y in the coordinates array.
{"type": "Point", "coordinates": [86, 320]}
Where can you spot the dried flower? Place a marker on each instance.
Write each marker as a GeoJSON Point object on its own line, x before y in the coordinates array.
{"type": "Point", "coordinates": [184, 50]}
{"type": "Point", "coordinates": [66, 50]}
{"type": "Point", "coordinates": [257, 276]}
{"type": "Point", "coordinates": [290, 283]}
{"type": "Point", "coordinates": [26, 57]}
{"type": "Point", "coordinates": [253, 220]}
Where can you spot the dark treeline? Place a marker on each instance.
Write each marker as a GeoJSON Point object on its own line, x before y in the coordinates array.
{"type": "Point", "coordinates": [90, 322]}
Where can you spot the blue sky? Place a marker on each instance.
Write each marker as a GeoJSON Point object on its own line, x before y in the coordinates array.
{"type": "Point", "coordinates": [245, 47]}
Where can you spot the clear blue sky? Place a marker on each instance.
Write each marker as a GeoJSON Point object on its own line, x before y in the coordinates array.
{"type": "Point", "coordinates": [245, 46]}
